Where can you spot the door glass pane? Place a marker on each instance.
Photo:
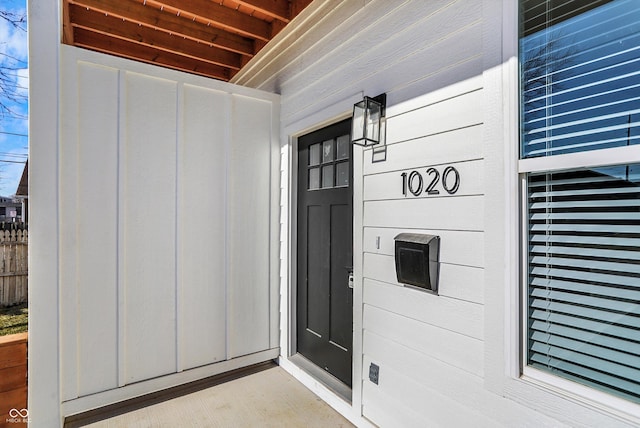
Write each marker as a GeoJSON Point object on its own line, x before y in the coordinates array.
{"type": "Point", "coordinates": [342, 174]}
{"type": "Point", "coordinates": [314, 178]}
{"type": "Point", "coordinates": [327, 151]}
{"type": "Point", "coordinates": [327, 176]}
{"type": "Point", "coordinates": [314, 154]}
{"type": "Point", "coordinates": [343, 147]}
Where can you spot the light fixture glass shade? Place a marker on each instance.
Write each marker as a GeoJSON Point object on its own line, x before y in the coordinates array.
{"type": "Point", "coordinates": [366, 122]}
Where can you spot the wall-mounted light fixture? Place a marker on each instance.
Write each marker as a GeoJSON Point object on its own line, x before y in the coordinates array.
{"type": "Point", "coordinates": [368, 115]}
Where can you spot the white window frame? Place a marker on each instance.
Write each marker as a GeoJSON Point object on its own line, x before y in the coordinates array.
{"type": "Point", "coordinates": [600, 401]}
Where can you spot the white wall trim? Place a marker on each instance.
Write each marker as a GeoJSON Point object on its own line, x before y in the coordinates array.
{"type": "Point", "coordinates": [327, 395]}
{"type": "Point", "coordinates": [288, 294]}
{"type": "Point", "coordinates": [311, 16]}
{"type": "Point", "coordinates": [44, 338]}
{"type": "Point", "coordinates": [496, 138]}
{"type": "Point", "coordinates": [81, 54]}
{"type": "Point", "coordinates": [583, 395]}
{"type": "Point", "coordinates": [587, 159]}
{"type": "Point", "coordinates": [331, 114]}
{"type": "Point", "coordinates": [274, 228]}
{"type": "Point", "coordinates": [510, 87]}
{"type": "Point", "coordinates": [359, 156]}
{"type": "Point", "coordinates": [562, 400]}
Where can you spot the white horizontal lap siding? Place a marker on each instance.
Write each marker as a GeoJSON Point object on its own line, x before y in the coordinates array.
{"type": "Point", "coordinates": [459, 111]}
{"type": "Point", "coordinates": [458, 247]}
{"type": "Point", "coordinates": [440, 331]}
{"type": "Point", "coordinates": [444, 213]}
{"type": "Point", "coordinates": [459, 282]}
{"type": "Point", "coordinates": [388, 411]}
{"type": "Point", "coordinates": [387, 186]}
{"type": "Point", "coordinates": [457, 146]}
{"type": "Point", "coordinates": [455, 349]}
{"type": "Point", "coordinates": [429, 403]}
{"type": "Point", "coordinates": [388, 23]}
{"type": "Point", "coordinates": [406, 54]}
{"type": "Point", "coordinates": [451, 314]}
{"type": "Point", "coordinates": [438, 380]}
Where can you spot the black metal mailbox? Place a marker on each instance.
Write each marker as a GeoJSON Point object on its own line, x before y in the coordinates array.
{"type": "Point", "coordinates": [417, 260]}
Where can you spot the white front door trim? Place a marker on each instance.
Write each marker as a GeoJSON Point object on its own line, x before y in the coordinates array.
{"type": "Point", "coordinates": [290, 133]}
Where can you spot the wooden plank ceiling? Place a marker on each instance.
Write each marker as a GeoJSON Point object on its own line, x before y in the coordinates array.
{"type": "Point", "coordinates": [213, 38]}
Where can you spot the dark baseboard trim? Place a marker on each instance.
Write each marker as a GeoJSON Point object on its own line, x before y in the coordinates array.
{"type": "Point", "coordinates": [96, 415]}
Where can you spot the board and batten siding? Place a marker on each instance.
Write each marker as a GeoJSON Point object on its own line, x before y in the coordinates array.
{"type": "Point", "coordinates": [166, 218]}
{"type": "Point", "coordinates": [430, 58]}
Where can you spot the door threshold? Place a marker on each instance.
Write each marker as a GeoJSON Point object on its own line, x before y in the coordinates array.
{"type": "Point", "coordinates": [322, 376]}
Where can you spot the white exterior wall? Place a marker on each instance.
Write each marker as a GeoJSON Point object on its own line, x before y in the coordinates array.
{"type": "Point", "coordinates": [451, 83]}
{"type": "Point", "coordinates": [449, 71]}
{"type": "Point", "coordinates": [161, 213]}
{"type": "Point", "coordinates": [164, 206]}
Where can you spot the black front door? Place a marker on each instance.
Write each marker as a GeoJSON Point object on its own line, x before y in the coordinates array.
{"type": "Point", "coordinates": [325, 254]}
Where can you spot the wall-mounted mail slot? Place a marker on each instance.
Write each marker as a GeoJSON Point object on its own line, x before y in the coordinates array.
{"type": "Point", "coordinates": [417, 260]}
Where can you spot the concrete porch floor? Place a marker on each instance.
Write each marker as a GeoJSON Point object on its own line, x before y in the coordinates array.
{"type": "Point", "coordinates": [268, 398]}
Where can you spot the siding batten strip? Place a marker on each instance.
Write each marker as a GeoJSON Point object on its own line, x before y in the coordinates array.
{"type": "Point", "coordinates": [179, 349]}
{"type": "Point", "coordinates": [228, 139]}
{"type": "Point", "coordinates": [274, 226]}
{"type": "Point", "coordinates": [359, 157]}
{"type": "Point", "coordinates": [122, 316]}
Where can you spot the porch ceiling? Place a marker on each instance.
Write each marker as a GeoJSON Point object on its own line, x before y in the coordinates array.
{"type": "Point", "coordinates": [213, 38]}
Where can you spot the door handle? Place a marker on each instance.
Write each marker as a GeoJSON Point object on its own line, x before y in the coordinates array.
{"type": "Point", "coordinates": [350, 282]}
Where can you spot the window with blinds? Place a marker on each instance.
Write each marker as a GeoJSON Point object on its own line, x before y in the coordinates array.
{"type": "Point", "coordinates": [580, 76]}
{"type": "Point", "coordinates": [580, 91]}
{"type": "Point", "coordinates": [584, 276]}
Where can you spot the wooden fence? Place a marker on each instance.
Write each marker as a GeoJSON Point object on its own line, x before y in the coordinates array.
{"type": "Point", "coordinates": [13, 380]}
{"type": "Point", "coordinates": [13, 266]}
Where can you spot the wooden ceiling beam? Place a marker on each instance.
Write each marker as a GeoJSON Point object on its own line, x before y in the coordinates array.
{"type": "Point", "coordinates": [298, 5]}
{"type": "Point", "coordinates": [278, 9]}
{"type": "Point", "coordinates": [67, 29]}
{"type": "Point", "coordinates": [276, 27]}
{"type": "Point", "coordinates": [213, 38]}
{"type": "Point", "coordinates": [153, 18]}
{"type": "Point", "coordinates": [126, 49]}
{"type": "Point", "coordinates": [115, 27]}
{"type": "Point", "coordinates": [219, 16]}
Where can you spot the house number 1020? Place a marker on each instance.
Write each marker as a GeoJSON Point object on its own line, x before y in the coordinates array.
{"type": "Point", "coordinates": [415, 183]}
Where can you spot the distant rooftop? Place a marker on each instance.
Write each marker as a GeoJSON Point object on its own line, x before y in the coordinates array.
{"type": "Point", "coordinates": [23, 186]}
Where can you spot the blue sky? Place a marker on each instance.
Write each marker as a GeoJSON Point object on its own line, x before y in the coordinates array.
{"type": "Point", "coordinates": [13, 61]}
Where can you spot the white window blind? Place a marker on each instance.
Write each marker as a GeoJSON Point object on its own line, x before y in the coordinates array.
{"type": "Point", "coordinates": [580, 76]}
{"type": "Point", "coordinates": [584, 276]}
{"type": "Point", "coordinates": [580, 91]}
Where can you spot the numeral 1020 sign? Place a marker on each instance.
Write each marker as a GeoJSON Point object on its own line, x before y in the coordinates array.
{"type": "Point", "coordinates": [431, 182]}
